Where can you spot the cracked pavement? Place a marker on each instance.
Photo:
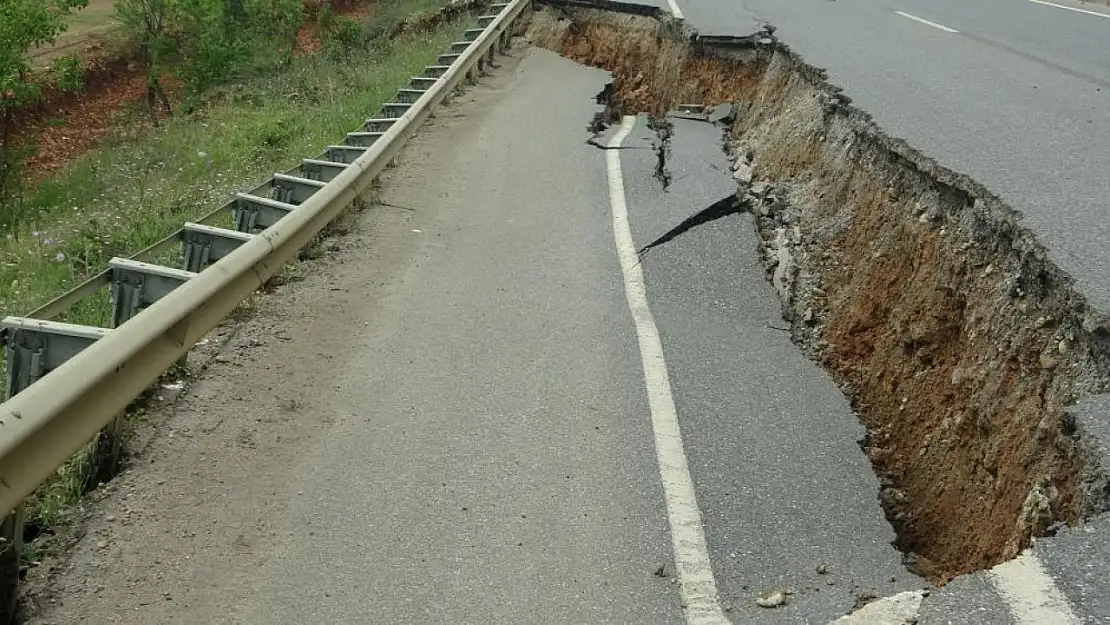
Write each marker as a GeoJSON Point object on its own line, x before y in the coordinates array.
{"type": "Point", "coordinates": [483, 452]}
{"type": "Point", "coordinates": [470, 440]}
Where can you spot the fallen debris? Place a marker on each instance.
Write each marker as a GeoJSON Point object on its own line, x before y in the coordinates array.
{"type": "Point", "coordinates": [772, 598]}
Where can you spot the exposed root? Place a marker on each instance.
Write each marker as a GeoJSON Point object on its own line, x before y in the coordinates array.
{"type": "Point", "coordinates": [959, 344]}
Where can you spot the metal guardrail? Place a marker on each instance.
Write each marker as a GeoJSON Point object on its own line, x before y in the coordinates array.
{"type": "Point", "coordinates": [66, 382]}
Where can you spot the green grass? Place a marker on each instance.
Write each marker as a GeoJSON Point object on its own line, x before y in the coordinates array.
{"type": "Point", "coordinates": [132, 192]}
{"type": "Point", "coordinates": [135, 190]}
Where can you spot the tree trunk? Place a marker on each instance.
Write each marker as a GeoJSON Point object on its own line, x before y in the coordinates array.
{"type": "Point", "coordinates": [156, 95]}
{"type": "Point", "coordinates": [6, 166]}
{"type": "Point", "coordinates": [163, 98]}
{"type": "Point", "coordinates": [151, 102]}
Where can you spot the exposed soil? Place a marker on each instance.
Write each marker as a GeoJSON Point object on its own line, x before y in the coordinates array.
{"type": "Point", "coordinates": [958, 343]}
{"type": "Point", "coordinates": [308, 35]}
{"type": "Point", "coordinates": [65, 125]}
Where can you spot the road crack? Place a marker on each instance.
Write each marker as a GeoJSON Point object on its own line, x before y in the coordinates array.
{"type": "Point", "coordinates": [722, 208]}
{"type": "Point", "coordinates": [664, 130]}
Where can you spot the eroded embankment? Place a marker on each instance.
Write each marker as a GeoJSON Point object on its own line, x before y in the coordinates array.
{"type": "Point", "coordinates": [958, 342]}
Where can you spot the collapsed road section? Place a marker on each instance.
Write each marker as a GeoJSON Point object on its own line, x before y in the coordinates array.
{"type": "Point", "coordinates": [959, 344]}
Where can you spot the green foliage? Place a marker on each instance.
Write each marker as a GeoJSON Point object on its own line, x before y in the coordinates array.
{"type": "Point", "coordinates": [208, 42]}
{"type": "Point", "coordinates": [148, 21]}
{"type": "Point", "coordinates": [68, 73]}
{"type": "Point", "coordinates": [13, 207]}
{"type": "Point", "coordinates": [211, 44]}
{"type": "Point", "coordinates": [129, 193]}
{"type": "Point", "coordinates": [23, 24]}
{"type": "Point", "coordinates": [276, 20]}
{"type": "Point", "coordinates": [342, 35]}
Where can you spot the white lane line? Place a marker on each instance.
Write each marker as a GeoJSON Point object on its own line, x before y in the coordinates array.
{"type": "Point", "coordinates": [927, 22]}
{"type": "Point", "coordinates": [691, 556]}
{"type": "Point", "coordinates": [675, 11]}
{"type": "Point", "coordinates": [1067, 8]}
{"type": "Point", "coordinates": [1030, 593]}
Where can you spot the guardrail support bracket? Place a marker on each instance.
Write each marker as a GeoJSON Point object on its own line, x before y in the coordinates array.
{"type": "Point", "coordinates": [258, 213]}
{"type": "Point", "coordinates": [203, 245]}
{"type": "Point", "coordinates": [137, 285]}
{"type": "Point", "coordinates": [35, 347]}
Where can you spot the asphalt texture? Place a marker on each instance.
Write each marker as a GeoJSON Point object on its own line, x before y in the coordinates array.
{"type": "Point", "coordinates": [1077, 559]}
{"type": "Point", "coordinates": [496, 462]}
{"type": "Point", "coordinates": [772, 444]}
{"type": "Point", "coordinates": [1019, 99]}
{"type": "Point", "coordinates": [492, 459]}
{"type": "Point", "coordinates": [966, 600]}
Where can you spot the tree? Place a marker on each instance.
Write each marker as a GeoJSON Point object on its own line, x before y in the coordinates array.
{"type": "Point", "coordinates": [278, 20]}
{"type": "Point", "coordinates": [23, 24]}
{"type": "Point", "coordinates": [149, 22]}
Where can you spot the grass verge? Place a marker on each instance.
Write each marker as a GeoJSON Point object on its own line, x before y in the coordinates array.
{"type": "Point", "coordinates": [136, 189]}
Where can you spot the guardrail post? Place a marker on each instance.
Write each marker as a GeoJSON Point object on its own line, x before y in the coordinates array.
{"type": "Point", "coordinates": [134, 286]}
{"type": "Point", "coordinates": [11, 535]}
{"type": "Point", "coordinates": [33, 348]}
{"type": "Point", "coordinates": [105, 455]}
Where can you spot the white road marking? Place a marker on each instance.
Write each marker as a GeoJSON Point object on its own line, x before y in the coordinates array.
{"type": "Point", "coordinates": [1030, 593]}
{"type": "Point", "coordinates": [899, 609]}
{"type": "Point", "coordinates": [927, 22]}
{"type": "Point", "coordinates": [675, 11]}
{"type": "Point", "coordinates": [691, 556]}
{"type": "Point", "coordinates": [1067, 8]}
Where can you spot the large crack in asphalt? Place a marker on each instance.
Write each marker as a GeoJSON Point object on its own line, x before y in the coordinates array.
{"type": "Point", "coordinates": [959, 344]}
{"type": "Point", "coordinates": [724, 207]}
{"type": "Point", "coordinates": [664, 130]}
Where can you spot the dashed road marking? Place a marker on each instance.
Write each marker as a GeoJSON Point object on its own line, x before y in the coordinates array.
{"type": "Point", "coordinates": [675, 11]}
{"type": "Point", "coordinates": [1030, 593]}
{"type": "Point", "coordinates": [927, 22]}
{"type": "Point", "coordinates": [695, 572]}
{"type": "Point", "coordinates": [1067, 8]}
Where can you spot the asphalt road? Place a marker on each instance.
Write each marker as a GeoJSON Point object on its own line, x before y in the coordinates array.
{"type": "Point", "coordinates": [499, 467]}
{"type": "Point", "coordinates": [475, 429]}
{"type": "Point", "coordinates": [1018, 98]}
{"type": "Point", "coordinates": [502, 467]}
{"type": "Point", "coordinates": [772, 443]}
{"type": "Point", "coordinates": [1015, 93]}
{"type": "Point", "coordinates": [492, 442]}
